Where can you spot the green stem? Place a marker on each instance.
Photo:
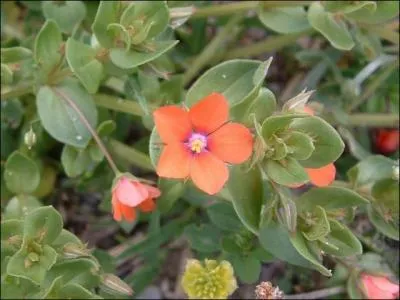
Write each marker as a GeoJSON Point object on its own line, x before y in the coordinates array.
{"type": "Point", "coordinates": [118, 104]}
{"type": "Point", "coordinates": [270, 44]}
{"type": "Point", "coordinates": [131, 155]}
{"type": "Point", "coordinates": [89, 127]}
{"type": "Point", "coordinates": [210, 50]}
{"type": "Point", "coordinates": [373, 86]}
{"type": "Point", "coordinates": [318, 294]}
{"type": "Point", "coordinates": [373, 120]}
{"type": "Point", "coordinates": [241, 6]}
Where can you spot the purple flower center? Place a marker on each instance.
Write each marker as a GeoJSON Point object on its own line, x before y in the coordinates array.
{"type": "Point", "coordinates": [197, 142]}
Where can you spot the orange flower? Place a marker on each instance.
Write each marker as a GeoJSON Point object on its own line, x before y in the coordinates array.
{"type": "Point", "coordinates": [323, 176]}
{"type": "Point", "coordinates": [379, 287]}
{"type": "Point", "coordinates": [127, 194]}
{"type": "Point", "coordinates": [200, 141]}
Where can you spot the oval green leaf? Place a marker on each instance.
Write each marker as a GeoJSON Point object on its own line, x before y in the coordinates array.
{"type": "Point", "coordinates": [67, 14]}
{"type": "Point", "coordinates": [59, 119]}
{"type": "Point", "coordinates": [287, 172]}
{"type": "Point", "coordinates": [22, 175]}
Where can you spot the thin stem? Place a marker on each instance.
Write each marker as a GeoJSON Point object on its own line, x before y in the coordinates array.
{"type": "Point", "coordinates": [318, 294]}
{"type": "Point", "coordinates": [373, 86]}
{"type": "Point", "coordinates": [372, 120]}
{"type": "Point", "coordinates": [241, 6]}
{"type": "Point", "coordinates": [273, 43]}
{"type": "Point", "coordinates": [372, 66]}
{"type": "Point", "coordinates": [210, 50]}
{"type": "Point", "coordinates": [131, 155]}
{"type": "Point", "coordinates": [83, 119]}
{"type": "Point", "coordinates": [118, 104]}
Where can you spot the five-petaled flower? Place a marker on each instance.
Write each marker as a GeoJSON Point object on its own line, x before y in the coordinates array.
{"type": "Point", "coordinates": [323, 176]}
{"type": "Point", "coordinates": [127, 194]}
{"type": "Point", "coordinates": [379, 287]}
{"type": "Point", "coordinates": [200, 141]}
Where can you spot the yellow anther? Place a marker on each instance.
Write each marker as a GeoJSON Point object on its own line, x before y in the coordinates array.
{"type": "Point", "coordinates": [197, 146]}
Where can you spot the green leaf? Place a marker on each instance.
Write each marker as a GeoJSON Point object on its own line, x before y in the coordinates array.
{"type": "Point", "coordinates": [74, 270]}
{"type": "Point", "coordinates": [82, 61]}
{"type": "Point", "coordinates": [12, 112]}
{"type": "Point", "coordinates": [343, 239]}
{"type": "Point", "coordinates": [277, 124]}
{"type": "Point", "coordinates": [171, 191]}
{"type": "Point", "coordinates": [67, 14]}
{"type": "Point", "coordinates": [286, 172]}
{"type": "Point", "coordinates": [36, 271]}
{"type": "Point", "coordinates": [388, 228]}
{"type": "Point", "coordinates": [133, 58]}
{"type": "Point", "coordinates": [14, 54]}
{"type": "Point", "coordinates": [20, 205]}
{"type": "Point", "coordinates": [65, 237]}
{"type": "Point", "coordinates": [385, 11]}
{"type": "Point", "coordinates": [320, 226]}
{"type": "Point", "coordinates": [47, 46]}
{"type": "Point", "coordinates": [247, 268]}
{"type": "Point", "coordinates": [107, 13]}
{"type": "Point", "coordinates": [204, 238]}
{"type": "Point", "coordinates": [76, 291]}
{"type": "Point", "coordinates": [263, 106]}
{"type": "Point", "coordinates": [11, 237]}
{"type": "Point", "coordinates": [238, 80]}
{"type": "Point", "coordinates": [154, 13]}
{"type": "Point", "coordinates": [275, 239]}
{"type": "Point", "coordinates": [106, 128]}
{"type": "Point", "coordinates": [327, 142]}
{"type": "Point", "coordinates": [301, 245]}
{"type": "Point", "coordinates": [386, 193]}
{"type": "Point", "coordinates": [333, 29]}
{"type": "Point", "coordinates": [44, 224]}
{"type": "Point", "coordinates": [155, 147]}
{"type": "Point", "coordinates": [348, 7]}
{"type": "Point", "coordinates": [300, 145]}
{"type": "Point", "coordinates": [371, 169]}
{"type": "Point", "coordinates": [75, 161]}
{"type": "Point", "coordinates": [246, 193]}
{"type": "Point", "coordinates": [329, 198]}
{"type": "Point", "coordinates": [22, 175]}
{"type": "Point", "coordinates": [286, 212]}
{"type": "Point", "coordinates": [284, 19]}
{"type": "Point", "coordinates": [223, 215]}
{"type": "Point", "coordinates": [95, 153]}
{"type": "Point", "coordinates": [353, 286]}
{"type": "Point", "coordinates": [6, 75]}
{"type": "Point", "coordinates": [59, 119]}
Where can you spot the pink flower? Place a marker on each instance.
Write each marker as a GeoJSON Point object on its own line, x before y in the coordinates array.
{"type": "Point", "coordinates": [379, 287]}
{"type": "Point", "coordinates": [127, 194]}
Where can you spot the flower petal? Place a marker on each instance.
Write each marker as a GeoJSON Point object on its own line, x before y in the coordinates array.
{"type": "Point", "coordinates": [172, 123]}
{"type": "Point", "coordinates": [377, 287]}
{"type": "Point", "coordinates": [153, 191]}
{"type": "Point", "coordinates": [208, 172]}
{"type": "Point", "coordinates": [209, 113]}
{"type": "Point", "coordinates": [322, 176]}
{"type": "Point", "coordinates": [130, 193]}
{"type": "Point", "coordinates": [128, 212]}
{"type": "Point", "coordinates": [174, 161]}
{"type": "Point", "coordinates": [117, 213]}
{"type": "Point", "coordinates": [309, 110]}
{"type": "Point", "coordinates": [147, 206]}
{"type": "Point", "coordinates": [232, 143]}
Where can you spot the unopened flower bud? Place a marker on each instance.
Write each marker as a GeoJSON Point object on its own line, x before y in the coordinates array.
{"type": "Point", "coordinates": [30, 138]}
{"type": "Point", "coordinates": [113, 283]}
{"type": "Point", "coordinates": [72, 250]}
{"type": "Point", "coordinates": [33, 257]}
{"type": "Point", "coordinates": [211, 280]}
{"type": "Point", "coordinates": [265, 290]}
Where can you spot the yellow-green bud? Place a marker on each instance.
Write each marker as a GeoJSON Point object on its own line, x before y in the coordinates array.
{"type": "Point", "coordinates": [33, 257]}
{"type": "Point", "coordinates": [114, 284]}
{"type": "Point", "coordinates": [30, 138]}
{"type": "Point", "coordinates": [211, 280]}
